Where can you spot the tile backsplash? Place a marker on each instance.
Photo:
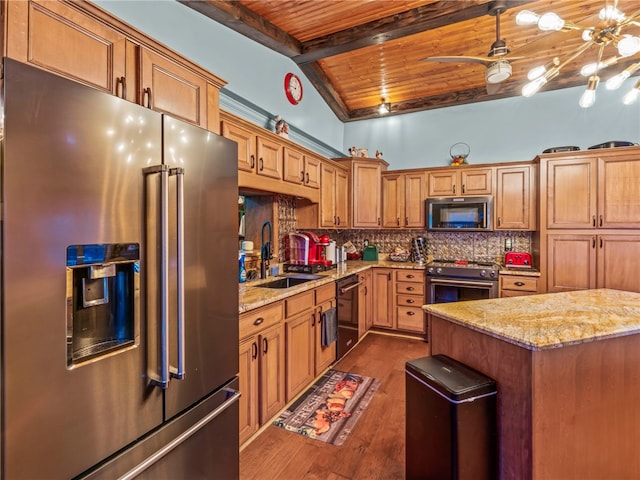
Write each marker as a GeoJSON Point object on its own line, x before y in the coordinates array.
{"type": "Point", "coordinates": [479, 246]}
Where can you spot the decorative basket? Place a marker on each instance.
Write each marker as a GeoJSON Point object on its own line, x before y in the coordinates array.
{"type": "Point", "coordinates": [459, 153]}
{"type": "Point", "coordinates": [399, 257]}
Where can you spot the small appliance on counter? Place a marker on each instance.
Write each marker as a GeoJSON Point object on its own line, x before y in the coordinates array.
{"type": "Point", "coordinates": [308, 253]}
{"type": "Point", "coordinates": [517, 259]}
{"type": "Point", "coordinates": [370, 253]}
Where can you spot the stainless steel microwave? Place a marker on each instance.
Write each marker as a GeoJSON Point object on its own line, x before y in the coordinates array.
{"type": "Point", "coordinates": [459, 214]}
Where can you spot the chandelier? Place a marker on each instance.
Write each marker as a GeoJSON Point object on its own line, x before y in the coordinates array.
{"type": "Point", "coordinates": [608, 32]}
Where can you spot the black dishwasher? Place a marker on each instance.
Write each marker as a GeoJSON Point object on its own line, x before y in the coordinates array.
{"type": "Point", "coordinates": [347, 312]}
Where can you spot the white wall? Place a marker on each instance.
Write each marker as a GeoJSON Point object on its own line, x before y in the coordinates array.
{"type": "Point", "coordinates": [496, 131]}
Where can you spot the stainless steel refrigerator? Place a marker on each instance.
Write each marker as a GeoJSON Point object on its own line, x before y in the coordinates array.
{"type": "Point", "coordinates": [119, 288]}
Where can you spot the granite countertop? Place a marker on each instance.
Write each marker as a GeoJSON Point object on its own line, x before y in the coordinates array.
{"type": "Point", "coordinates": [252, 296]}
{"type": "Point", "coordinates": [551, 320]}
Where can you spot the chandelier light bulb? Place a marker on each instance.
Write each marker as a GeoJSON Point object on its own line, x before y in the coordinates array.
{"type": "Point", "coordinates": [609, 13]}
{"type": "Point", "coordinates": [534, 86]}
{"type": "Point", "coordinates": [588, 98]}
{"type": "Point", "coordinates": [616, 81]}
{"type": "Point", "coordinates": [591, 68]}
{"type": "Point", "coordinates": [587, 34]}
{"type": "Point", "coordinates": [632, 95]}
{"type": "Point", "coordinates": [629, 45]}
{"type": "Point", "coordinates": [383, 108]}
{"type": "Point", "coordinates": [550, 22]}
{"type": "Point", "coordinates": [536, 72]}
{"type": "Point", "coordinates": [527, 17]}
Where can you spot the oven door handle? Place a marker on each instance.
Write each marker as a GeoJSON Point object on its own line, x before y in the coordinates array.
{"type": "Point", "coordinates": [350, 287]}
{"type": "Point", "coordinates": [461, 283]}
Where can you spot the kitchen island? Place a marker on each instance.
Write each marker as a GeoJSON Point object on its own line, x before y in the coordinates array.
{"type": "Point", "coordinates": [567, 368]}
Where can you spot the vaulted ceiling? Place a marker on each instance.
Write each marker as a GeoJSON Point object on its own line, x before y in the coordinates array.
{"type": "Point", "coordinates": [356, 52]}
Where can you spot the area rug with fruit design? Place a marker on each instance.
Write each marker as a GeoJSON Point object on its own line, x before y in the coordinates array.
{"type": "Point", "coordinates": [330, 408]}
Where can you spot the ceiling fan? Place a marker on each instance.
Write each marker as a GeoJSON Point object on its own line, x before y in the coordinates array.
{"type": "Point", "coordinates": [496, 61]}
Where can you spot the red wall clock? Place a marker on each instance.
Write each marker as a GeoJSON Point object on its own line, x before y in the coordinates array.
{"type": "Point", "coordinates": [293, 88]}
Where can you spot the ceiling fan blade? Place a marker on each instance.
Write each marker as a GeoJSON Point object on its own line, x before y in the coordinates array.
{"type": "Point", "coordinates": [460, 59]}
{"type": "Point", "coordinates": [493, 88]}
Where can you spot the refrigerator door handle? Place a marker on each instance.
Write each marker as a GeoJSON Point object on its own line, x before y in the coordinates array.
{"type": "Point", "coordinates": [162, 380]}
{"type": "Point", "coordinates": [159, 454]}
{"type": "Point", "coordinates": [178, 372]}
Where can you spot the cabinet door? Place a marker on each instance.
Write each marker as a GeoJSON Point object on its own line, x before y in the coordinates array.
{"type": "Point", "coordinates": [571, 193]}
{"type": "Point", "coordinates": [571, 262]}
{"type": "Point", "coordinates": [514, 205]}
{"type": "Point", "coordinates": [269, 154]}
{"type": "Point", "coordinates": [619, 192]}
{"type": "Point", "coordinates": [249, 386]}
{"type": "Point", "coordinates": [393, 201]}
{"type": "Point", "coordinates": [58, 38]}
{"type": "Point", "coordinates": [366, 195]}
{"type": "Point", "coordinates": [443, 183]}
{"type": "Point", "coordinates": [619, 262]}
{"type": "Point", "coordinates": [312, 171]}
{"type": "Point", "coordinates": [300, 353]}
{"type": "Point", "coordinates": [272, 372]}
{"type": "Point", "coordinates": [476, 181]}
{"type": "Point", "coordinates": [342, 199]}
{"type": "Point", "coordinates": [368, 300]}
{"type": "Point", "coordinates": [414, 199]}
{"type": "Point", "coordinates": [324, 356]}
{"type": "Point", "coordinates": [170, 88]}
{"type": "Point", "coordinates": [293, 169]}
{"type": "Point", "coordinates": [328, 196]}
{"type": "Point", "coordinates": [246, 141]}
{"type": "Point", "coordinates": [382, 298]}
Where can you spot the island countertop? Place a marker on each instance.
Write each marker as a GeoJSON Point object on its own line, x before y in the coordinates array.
{"type": "Point", "coordinates": [551, 320]}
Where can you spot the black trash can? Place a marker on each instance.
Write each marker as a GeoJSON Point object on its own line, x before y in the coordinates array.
{"type": "Point", "coordinates": [451, 421]}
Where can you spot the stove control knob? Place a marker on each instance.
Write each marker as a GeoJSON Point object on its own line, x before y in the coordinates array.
{"type": "Point", "coordinates": [492, 273]}
{"type": "Point", "coordinates": [438, 270]}
{"type": "Point", "coordinates": [430, 270]}
{"type": "Point", "coordinates": [483, 273]}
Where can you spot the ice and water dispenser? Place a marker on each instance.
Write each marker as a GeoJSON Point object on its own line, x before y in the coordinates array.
{"type": "Point", "coordinates": [103, 290]}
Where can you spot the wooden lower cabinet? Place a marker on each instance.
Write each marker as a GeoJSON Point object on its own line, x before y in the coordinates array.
{"type": "Point", "coordinates": [585, 260]}
{"type": "Point", "coordinates": [517, 285]}
{"type": "Point", "coordinates": [409, 298]}
{"type": "Point", "coordinates": [262, 379]}
{"type": "Point", "coordinates": [382, 297]}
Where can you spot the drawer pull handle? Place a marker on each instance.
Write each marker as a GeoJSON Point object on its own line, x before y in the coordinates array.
{"type": "Point", "coordinates": [519, 284]}
{"type": "Point", "coordinates": [254, 350]}
{"type": "Point", "coordinates": [410, 289]}
{"type": "Point", "coordinates": [258, 321]}
{"type": "Point", "coordinates": [411, 300]}
{"type": "Point", "coordinates": [409, 276]}
{"type": "Point", "coordinates": [265, 346]}
{"type": "Point", "coordinates": [411, 313]}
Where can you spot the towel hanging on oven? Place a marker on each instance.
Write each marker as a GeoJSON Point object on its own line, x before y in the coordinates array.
{"type": "Point", "coordinates": [329, 327]}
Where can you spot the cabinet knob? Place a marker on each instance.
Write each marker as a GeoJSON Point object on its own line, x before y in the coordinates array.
{"type": "Point", "coordinates": [302, 176]}
{"type": "Point", "coordinates": [253, 161]}
{"type": "Point", "coordinates": [258, 321]}
{"type": "Point", "coordinates": [410, 289]}
{"type": "Point", "coordinates": [411, 313]}
{"type": "Point", "coordinates": [499, 221]}
{"type": "Point", "coordinates": [411, 300]}
{"type": "Point", "coordinates": [265, 346]}
{"type": "Point", "coordinates": [463, 188]}
{"type": "Point", "coordinates": [601, 220]}
{"type": "Point", "coordinates": [519, 284]}
{"type": "Point", "coordinates": [307, 177]}
{"type": "Point", "coordinates": [254, 350]}
{"type": "Point", "coordinates": [123, 91]}
{"type": "Point", "coordinates": [261, 167]}
{"type": "Point", "coordinates": [410, 276]}
{"type": "Point", "coordinates": [454, 189]}
{"type": "Point", "coordinates": [147, 93]}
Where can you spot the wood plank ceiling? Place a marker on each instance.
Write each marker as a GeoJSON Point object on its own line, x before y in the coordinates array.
{"type": "Point", "coordinates": [356, 52]}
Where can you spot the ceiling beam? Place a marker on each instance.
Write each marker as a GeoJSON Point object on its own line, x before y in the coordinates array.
{"type": "Point", "coordinates": [242, 20]}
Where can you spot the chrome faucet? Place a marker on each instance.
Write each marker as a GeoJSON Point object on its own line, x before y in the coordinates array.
{"type": "Point", "coordinates": [265, 251]}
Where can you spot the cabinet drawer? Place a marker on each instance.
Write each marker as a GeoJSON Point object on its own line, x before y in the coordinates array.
{"type": "Point", "coordinates": [416, 276]}
{"type": "Point", "coordinates": [517, 282]}
{"type": "Point", "coordinates": [411, 319]}
{"type": "Point", "coordinates": [325, 292]}
{"type": "Point", "coordinates": [257, 320]}
{"type": "Point", "coordinates": [410, 288]}
{"type": "Point", "coordinates": [514, 293]}
{"type": "Point", "coordinates": [410, 300]}
{"type": "Point", "coordinates": [299, 303]}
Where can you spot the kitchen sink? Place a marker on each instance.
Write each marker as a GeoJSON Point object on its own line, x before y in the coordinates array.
{"type": "Point", "coordinates": [288, 281]}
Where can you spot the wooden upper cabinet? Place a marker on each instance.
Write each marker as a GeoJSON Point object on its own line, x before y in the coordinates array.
{"type": "Point", "coordinates": [366, 190]}
{"type": "Point", "coordinates": [268, 158]}
{"type": "Point", "coordinates": [58, 38]}
{"type": "Point", "coordinates": [246, 140]}
{"type": "Point", "coordinates": [403, 198]}
{"type": "Point", "coordinates": [460, 181]}
{"type": "Point", "coordinates": [515, 199]}
{"type": "Point", "coordinates": [571, 193]}
{"type": "Point", "coordinates": [619, 192]}
{"type": "Point", "coordinates": [593, 192]}
{"type": "Point", "coordinates": [334, 194]}
{"type": "Point", "coordinates": [301, 168]}
{"type": "Point", "coordinates": [168, 87]}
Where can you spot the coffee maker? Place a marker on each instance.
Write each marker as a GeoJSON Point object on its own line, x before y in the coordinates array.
{"type": "Point", "coordinates": [308, 252]}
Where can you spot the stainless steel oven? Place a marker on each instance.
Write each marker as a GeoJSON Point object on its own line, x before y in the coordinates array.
{"type": "Point", "coordinates": [449, 281]}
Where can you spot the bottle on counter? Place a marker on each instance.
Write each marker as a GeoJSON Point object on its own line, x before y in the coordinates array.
{"type": "Point", "coordinates": [242, 270]}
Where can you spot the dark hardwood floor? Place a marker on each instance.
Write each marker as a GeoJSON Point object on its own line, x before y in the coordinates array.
{"type": "Point", "coordinates": [374, 450]}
